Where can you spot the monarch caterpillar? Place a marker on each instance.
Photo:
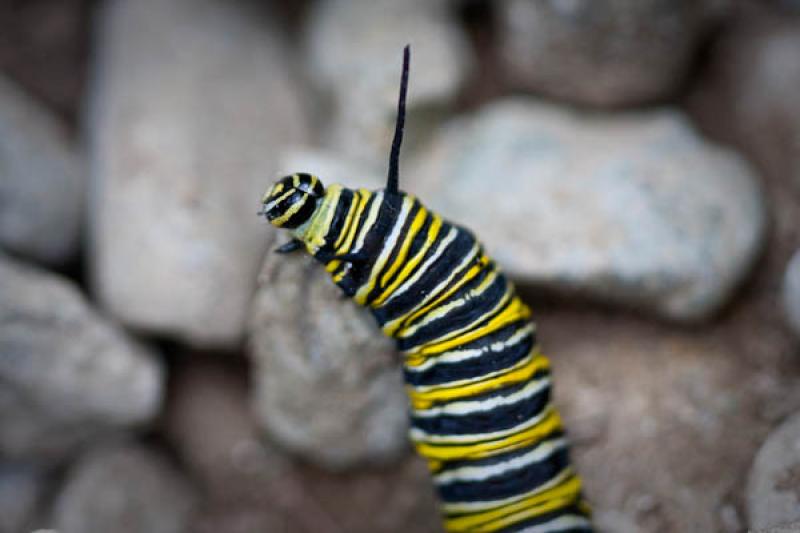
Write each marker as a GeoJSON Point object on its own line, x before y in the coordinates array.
{"type": "Point", "coordinates": [478, 387]}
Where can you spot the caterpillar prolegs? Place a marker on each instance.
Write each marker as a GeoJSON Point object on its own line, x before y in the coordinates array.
{"type": "Point", "coordinates": [478, 387]}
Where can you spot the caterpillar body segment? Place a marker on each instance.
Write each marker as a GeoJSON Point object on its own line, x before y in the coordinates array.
{"type": "Point", "coordinates": [478, 386]}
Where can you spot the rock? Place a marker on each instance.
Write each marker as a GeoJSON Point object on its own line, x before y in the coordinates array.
{"type": "Point", "coordinates": [328, 385]}
{"type": "Point", "coordinates": [355, 54]}
{"type": "Point", "coordinates": [42, 183]}
{"type": "Point", "coordinates": [773, 488]}
{"type": "Point", "coordinates": [249, 485]}
{"type": "Point", "coordinates": [185, 127]}
{"type": "Point", "coordinates": [639, 398]}
{"type": "Point", "coordinates": [21, 488]}
{"type": "Point", "coordinates": [210, 423]}
{"type": "Point", "coordinates": [748, 94]}
{"type": "Point", "coordinates": [791, 293]}
{"type": "Point", "coordinates": [633, 208]}
{"type": "Point", "coordinates": [608, 53]}
{"type": "Point", "coordinates": [68, 375]}
{"type": "Point", "coordinates": [125, 489]}
{"type": "Point", "coordinates": [788, 528]}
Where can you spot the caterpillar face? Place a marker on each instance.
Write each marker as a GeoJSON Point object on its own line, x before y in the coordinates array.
{"type": "Point", "coordinates": [292, 200]}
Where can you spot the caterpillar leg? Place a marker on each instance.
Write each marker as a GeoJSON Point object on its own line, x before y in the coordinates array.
{"type": "Point", "coordinates": [290, 246]}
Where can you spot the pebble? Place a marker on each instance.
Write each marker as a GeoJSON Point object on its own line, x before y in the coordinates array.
{"type": "Point", "coordinates": [22, 486]}
{"type": "Point", "coordinates": [773, 488]}
{"type": "Point", "coordinates": [125, 488]}
{"type": "Point", "coordinates": [354, 56]}
{"type": "Point", "coordinates": [609, 53]}
{"type": "Point", "coordinates": [791, 293]}
{"type": "Point", "coordinates": [68, 374]}
{"type": "Point", "coordinates": [747, 95]}
{"type": "Point", "coordinates": [42, 181]}
{"type": "Point", "coordinates": [631, 208]}
{"type": "Point", "coordinates": [190, 105]}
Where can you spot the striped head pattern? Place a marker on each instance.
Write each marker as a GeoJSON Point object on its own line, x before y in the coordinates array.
{"type": "Point", "coordinates": [292, 200]}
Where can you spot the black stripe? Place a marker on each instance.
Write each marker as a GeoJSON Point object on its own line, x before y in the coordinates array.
{"type": "Point", "coordinates": [571, 509]}
{"type": "Point", "coordinates": [499, 457]}
{"type": "Point", "coordinates": [305, 212]}
{"type": "Point", "coordinates": [378, 288]}
{"type": "Point", "coordinates": [440, 269]}
{"type": "Point", "coordinates": [498, 419]}
{"type": "Point", "coordinates": [511, 483]}
{"type": "Point", "coordinates": [343, 206]}
{"type": "Point", "coordinates": [460, 317]}
{"type": "Point", "coordinates": [474, 367]}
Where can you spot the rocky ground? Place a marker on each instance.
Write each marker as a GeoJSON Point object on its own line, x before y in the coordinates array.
{"type": "Point", "coordinates": [634, 166]}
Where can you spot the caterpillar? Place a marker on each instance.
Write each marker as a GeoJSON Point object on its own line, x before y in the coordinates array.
{"type": "Point", "coordinates": [478, 386]}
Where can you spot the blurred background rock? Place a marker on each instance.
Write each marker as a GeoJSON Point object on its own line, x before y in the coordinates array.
{"type": "Point", "coordinates": [633, 165]}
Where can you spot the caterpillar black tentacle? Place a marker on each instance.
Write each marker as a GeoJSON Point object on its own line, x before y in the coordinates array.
{"type": "Point", "coordinates": [478, 386]}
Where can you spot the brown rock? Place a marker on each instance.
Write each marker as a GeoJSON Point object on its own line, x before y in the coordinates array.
{"type": "Point", "coordinates": [609, 53]}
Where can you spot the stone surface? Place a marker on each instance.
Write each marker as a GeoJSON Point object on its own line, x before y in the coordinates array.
{"type": "Point", "coordinates": [791, 293]}
{"type": "Point", "coordinates": [607, 53]}
{"type": "Point", "coordinates": [185, 126]}
{"type": "Point", "coordinates": [328, 385]}
{"type": "Point", "coordinates": [249, 485]}
{"type": "Point", "coordinates": [21, 487]}
{"type": "Point", "coordinates": [355, 55]}
{"type": "Point", "coordinates": [787, 528]}
{"type": "Point", "coordinates": [210, 424]}
{"type": "Point", "coordinates": [748, 94]}
{"type": "Point", "coordinates": [773, 488]}
{"type": "Point", "coordinates": [656, 415]}
{"type": "Point", "coordinates": [631, 208]}
{"type": "Point", "coordinates": [68, 375]}
{"type": "Point", "coordinates": [125, 489]}
{"type": "Point", "coordinates": [42, 182]}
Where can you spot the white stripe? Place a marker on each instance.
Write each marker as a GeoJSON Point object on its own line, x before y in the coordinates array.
{"type": "Point", "coordinates": [444, 310]}
{"type": "Point", "coordinates": [371, 281]}
{"type": "Point", "coordinates": [561, 523]}
{"type": "Point", "coordinates": [468, 507]}
{"type": "Point", "coordinates": [462, 355]}
{"type": "Point", "coordinates": [478, 473]}
{"type": "Point", "coordinates": [451, 236]}
{"type": "Point", "coordinates": [418, 435]}
{"type": "Point", "coordinates": [467, 407]}
{"type": "Point", "coordinates": [434, 293]}
{"type": "Point", "coordinates": [376, 204]}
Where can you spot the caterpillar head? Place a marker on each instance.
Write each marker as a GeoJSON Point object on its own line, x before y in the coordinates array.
{"type": "Point", "coordinates": [292, 200]}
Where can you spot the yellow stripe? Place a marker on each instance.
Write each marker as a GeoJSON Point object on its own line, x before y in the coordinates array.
{"type": "Point", "coordinates": [524, 361]}
{"type": "Point", "coordinates": [444, 310]}
{"type": "Point", "coordinates": [364, 290]}
{"type": "Point", "coordinates": [538, 504]}
{"type": "Point", "coordinates": [408, 268]}
{"type": "Point", "coordinates": [351, 223]}
{"type": "Point", "coordinates": [416, 224]}
{"type": "Point", "coordinates": [479, 450]}
{"type": "Point", "coordinates": [372, 216]}
{"type": "Point", "coordinates": [274, 191]}
{"type": "Point", "coordinates": [516, 310]}
{"type": "Point", "coordinates": [516, 374]}
{"type": "Point", "coordinates": [289, 212]}
{"type": "Point", "coordinates": [471, 273]}
{"type": "Point", "coordinates": [474, 507]}
{"type": "Point", "coordinates": [393, 326]}
{"type": "Point", "coordinates": [318, 227]}
{"type": "Point", "coordinates": [286, 195]}
{"type": "Point", "coordinates": [348, 231]}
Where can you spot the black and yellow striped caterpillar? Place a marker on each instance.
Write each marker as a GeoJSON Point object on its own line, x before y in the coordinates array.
{"type": "Point", "coordinates": [478, 386]}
